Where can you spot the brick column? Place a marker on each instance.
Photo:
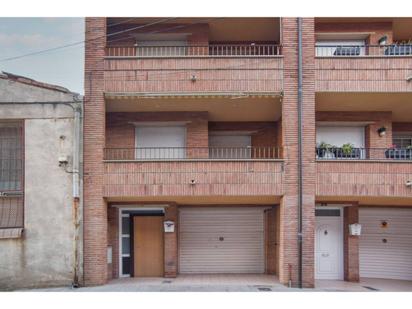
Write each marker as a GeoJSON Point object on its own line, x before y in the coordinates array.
{"type": "Point", "coordinates": [376, 143]}
{"type": "Point", "coordinates": [95, 209]}
{"type": "Point", "coordinates": [170, 243]}
{"type": "Point", "coordinates": [288, 246]}
{"type": "Point", "coordinates": [351, 244]}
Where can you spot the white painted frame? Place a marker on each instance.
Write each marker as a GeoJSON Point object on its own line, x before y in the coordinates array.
{"type": "Point", "coordinates": [342, 237]}
{"type": "Point", "coordinates": [120, 235]}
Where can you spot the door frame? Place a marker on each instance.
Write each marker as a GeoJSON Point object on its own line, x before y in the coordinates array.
{"type": "Point", "coordinates": [342, 238]}
{"type": "Point", "coordinates": [138, 208]}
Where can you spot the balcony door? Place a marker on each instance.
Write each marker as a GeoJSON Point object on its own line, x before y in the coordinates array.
{"type": "Point", "coordinates": [160, 142]}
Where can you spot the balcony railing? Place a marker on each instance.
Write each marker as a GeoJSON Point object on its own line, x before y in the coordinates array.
{"type": "Point", "coordinates": [215, 50]}
{"type": "Point", "coordinates": [337, 153]}
{"type": "Point", "coordinates": [192, 153]}
{"type": "Point", "coordinates": [363, 50]}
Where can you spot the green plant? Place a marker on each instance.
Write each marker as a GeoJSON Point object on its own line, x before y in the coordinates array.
{"type": "Point", "coordinates": [347, 148]}
{"type": "Point", "coordinates": [323, 145]}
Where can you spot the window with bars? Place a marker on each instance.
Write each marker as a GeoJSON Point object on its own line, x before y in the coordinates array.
{"type": "Point", "coordinates": [11, 156]}
{"type": "Point", "coordinates": [11, 178]}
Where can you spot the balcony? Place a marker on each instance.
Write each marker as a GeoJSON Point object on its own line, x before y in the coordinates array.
{"type": "Point", "coordinates": [352, 153]}
{"type": "Point", "coordinates": [193, 70]}
{"type": "Point", "coordinates": [171, 172]}
{"type": "Point", "coordinates": [370, 68]}
{"type": "Point", "coordinates": [367, 178]}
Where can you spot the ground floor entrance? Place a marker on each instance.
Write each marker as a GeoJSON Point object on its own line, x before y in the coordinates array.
{"type": "Point", "coordinates": [170, 240]}
{"type": "Point", "coordinates": [329, 243]}
{"type": "Point", "coordinates": [381, 249]}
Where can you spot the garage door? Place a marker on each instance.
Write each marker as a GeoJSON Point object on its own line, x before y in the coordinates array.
{"type": "Point", "coordinates": [221, 240]}
{"type": "Point", "coordinates": [385, 250]}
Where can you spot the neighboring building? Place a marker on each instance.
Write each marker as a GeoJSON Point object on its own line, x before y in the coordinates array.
{"type": "Point", "coordinates": [40, 207]}
{"type": "Point", "coordinates": [193, 123]}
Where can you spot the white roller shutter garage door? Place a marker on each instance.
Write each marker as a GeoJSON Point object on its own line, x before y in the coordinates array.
{"type": "Point", "coordinates": [385, 250]}
{"type": "Point", "coordinates": [221, 240]}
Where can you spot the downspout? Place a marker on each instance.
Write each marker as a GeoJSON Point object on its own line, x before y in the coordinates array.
{"type": "Point", "coordinates": [300, 159]}
{"type": "Point", "coordinates": [76, 191]}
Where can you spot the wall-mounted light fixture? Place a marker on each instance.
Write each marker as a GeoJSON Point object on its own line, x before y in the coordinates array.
{"type": "Point", "coordinates": [409, 78]}
{"type": "Point", "coordinates": [383, 40]}
{"type": "Point", "coordinates": [382, 131]}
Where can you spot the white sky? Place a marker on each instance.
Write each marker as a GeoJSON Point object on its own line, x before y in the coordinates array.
{"type": "Point", "coordinates": [62, 67]}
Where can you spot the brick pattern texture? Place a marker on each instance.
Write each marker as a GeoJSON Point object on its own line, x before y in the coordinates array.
{"type": "Point", "coordinates": [350, 244]}
{"type": "Point", "coordinates": [95, 210]}
{"type": "Point", "coordinates": [288, 251]}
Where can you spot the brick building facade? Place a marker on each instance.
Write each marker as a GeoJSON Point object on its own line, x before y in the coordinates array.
{"type": "Point", "coordinates": [194, 120]}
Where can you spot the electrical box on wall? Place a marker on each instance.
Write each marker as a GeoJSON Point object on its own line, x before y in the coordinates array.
{"type": "Point", "coordinates": [355, 229]}
{"type": "Point", "coordinates": [169, 226]}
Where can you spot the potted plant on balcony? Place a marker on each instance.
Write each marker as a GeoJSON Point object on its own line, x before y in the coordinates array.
{"type": "Point", "coordinates": [325, 151]}
{"type": "Point", "coordinates": [348, 150]}
{"type": "Point", "coordinates": [399, 153]}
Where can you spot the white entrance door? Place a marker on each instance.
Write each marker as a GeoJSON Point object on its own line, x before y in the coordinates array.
{"type": "Point", "coordinates": [328, 244]}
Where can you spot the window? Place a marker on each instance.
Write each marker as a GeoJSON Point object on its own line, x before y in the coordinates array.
{"type": "Point", "coordinates": [11, 156]}
{"type": "Point", "coordinates": [160, 142]}
{"type": "Point", "coordinates": [329, 48]}
{"type": "Point", "coordinates": [11, 178]}
{"type": "Point", "coordinates": [125, 244]}
{"type": "Point", "coordinates": [402, 140]}
{"type": "Point", "coordinates": [230, 146]}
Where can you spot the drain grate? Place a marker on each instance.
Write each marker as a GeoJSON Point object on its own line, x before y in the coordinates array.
{"type": "Point", "coordinates": [370, 288]}
{"type": "Point", "coordinates": [264, 289]}
{"type": "Point", "coordinates": [167, 281]}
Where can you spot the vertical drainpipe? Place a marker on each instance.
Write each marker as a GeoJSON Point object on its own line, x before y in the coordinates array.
{"type": "Point", "coordinates": [76, 190]}
{"type": "Point", "coordinates": [300, 160]}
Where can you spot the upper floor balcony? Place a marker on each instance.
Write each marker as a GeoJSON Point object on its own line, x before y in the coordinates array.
{"type": "Point", "coordinates": [363, 55]}
{"type": "Point", "coordinates": [192, 171]}
{"type": "Point", "coordinates": [363, 68]}
{"type": "Point", "coordinates": [214, 69]}
{"type": "Point", "coordinates": [192, 57]}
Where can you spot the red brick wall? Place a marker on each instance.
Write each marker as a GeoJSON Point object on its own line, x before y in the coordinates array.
{"type": "Point", "coordinates": [271, 241]}
{"type": "Point", "coordinates": [95, 210]}
{"type": "Point", "coordinates": [170, 243]}
{"type": "Point", "coordinates": [264, 133]}
{"type": "Point", "coordinates": [288, 250]}
{"type": "Point", "coordinates": [351, 244]}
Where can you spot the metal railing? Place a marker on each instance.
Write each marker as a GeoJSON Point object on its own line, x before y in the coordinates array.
{"type": "Point", "coordinates": [363, 50]}
{"type": "Point", "coordinates": [192, 153]}
{"type": "Point", "coordinates": [337, 153]}
{"type": "Point", "coordinates": [214, 50]}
